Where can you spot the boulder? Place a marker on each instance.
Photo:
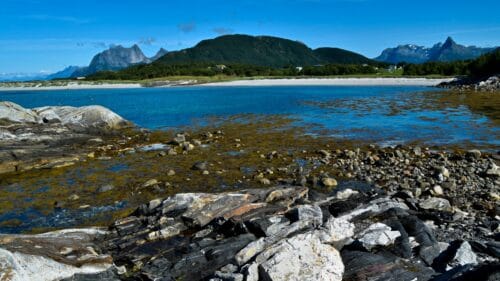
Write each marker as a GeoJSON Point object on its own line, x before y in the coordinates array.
{"type": "Point", "coordinates": [51, 256]}
{"type": "Point", "coordinates": [84, 118]}
{"type": "Point", "coordinates": [302, 257]}
{"type": "Point", "coordinates": [14, 113]}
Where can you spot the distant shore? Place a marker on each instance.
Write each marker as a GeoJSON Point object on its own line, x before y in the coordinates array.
{"type": "Point", "coordinates": [335, 82]}
{"type": "Point", "coordinates": [73, 86]}
{"type": "Point", "coordinates": [249, 82]}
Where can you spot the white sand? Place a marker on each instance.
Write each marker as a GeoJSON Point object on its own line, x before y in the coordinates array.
{"type": "Point", "coordinates": [335, 82]}
{"type": "Point", "coordinates": [73, 86]}
{"type": "Point", "coordinates": [257, 82]}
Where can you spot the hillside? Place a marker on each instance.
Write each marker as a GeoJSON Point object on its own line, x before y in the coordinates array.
{"type": "Point", "coordinates": [260, 51]}
{"type": "Point", "coordinates": [340, 56]}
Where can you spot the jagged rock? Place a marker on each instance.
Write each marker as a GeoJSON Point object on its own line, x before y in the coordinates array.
{"type": "Point", "coordinates": [302, 257]}
{"type": "Point", "coordinates": [484, 272]}
{"type": "Point", "coordinates": [361, 266]}
{"type": "Point", "coordinates": [375, 207]}
{"type": "Point", "coordinates": [311, 213]}
{"type": "Point", "coordinates": [336, 231]}
{"type": "Point", "coordinates": [430, 253]}
{"type": "Point", "coordinates": [493, 171]}
{"type": "Point", "coordinates": [434, 203]}
{"type": "Point", "coordinates": [463, 255]}
{"type": "Point", "coordinates": [377, 234]}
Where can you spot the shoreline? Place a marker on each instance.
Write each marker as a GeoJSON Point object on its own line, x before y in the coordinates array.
{"type": "Point", "coordinates": [256, 82]}
{"type": "Point", "coordinates": [335, 82]}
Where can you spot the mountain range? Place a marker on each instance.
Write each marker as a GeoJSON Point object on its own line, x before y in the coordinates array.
{"type": "Point", "coordinates": [265, 51]}
{"type": "Point", "coordinates": [443, 52]}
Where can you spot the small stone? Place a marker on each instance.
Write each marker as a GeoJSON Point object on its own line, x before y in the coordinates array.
{"type": "Point", "coordinates": [180, 138]}
{"type": "Point", "coordinates": [264, 181]}
{"type": "Point", "coordinates": [105, 188]}
{"type": "Point", "coordinates": [73, 197]}
{"type": "Point", "coordinates": [438, 190]}
{"type": "Point", "coordinates": [186, 146]}
{"type": "Point", "coordinates": [200, 166]}
{"type": "Point", "coordinates": [329, 182]}
{"type": "Point", "coordinates": [377, 234]}
{"type": "Point", "coordinates": [345, 194]}
{"type": "Point", "coordinates": [150, 183]}
{"type": "Point", "coordinates": [473, 154]}
{"type": "Point", "coordinates": [206, 173]}
{"type": "Point", "coordinates": [493, 171]}
{"type": "Point", "coordinates": [171, 173]}
{"type": "Point", "coordinates": [435, 203]}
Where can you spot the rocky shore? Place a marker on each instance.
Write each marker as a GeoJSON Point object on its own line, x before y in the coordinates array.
{"type": "Point", "coordinates": [281, 233]}
{"type": "Point", "coordinates": [243, 203]}
{"type": "Point", "coordinates": [491, 84]}
{"type": "Point", "coordinates": [52, 136]}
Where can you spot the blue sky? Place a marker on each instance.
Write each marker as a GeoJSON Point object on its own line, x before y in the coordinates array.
{"type": "Point", "coordinates": [48, 35]}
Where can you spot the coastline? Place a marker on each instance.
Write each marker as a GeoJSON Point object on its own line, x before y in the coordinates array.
{"type": "Point", "coordinates": [335, 82]}
{"type": "Point", "coordinates": [256, 82]}
{"type": "Point", "coordinates": [74, 86]}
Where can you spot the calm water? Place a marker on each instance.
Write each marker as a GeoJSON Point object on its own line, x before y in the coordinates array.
{"type": "Point", "coordinates": [390, 115]}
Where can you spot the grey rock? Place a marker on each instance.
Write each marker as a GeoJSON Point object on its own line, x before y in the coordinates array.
{"type": "Point", "coordinates": [464, 255]}
{"type": "Point", "coordinates": [430, 253]}
{"type": "Point", "coordinates": [105, 188]}
{"type": "Point", "coordinates": [434, 203]}
{"type": "Point", "coordinates": [377, 234]}
{"type": "Point", "coordinates": [311, 213]}
{"type": "Point", "coordinates": [302, 257]}
{"type": "Point", "coordinates": [14, 113]}
{"type": "Point", "coordinates": [200, 166]}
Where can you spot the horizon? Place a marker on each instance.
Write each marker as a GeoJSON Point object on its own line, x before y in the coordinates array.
{"type": "Point", "coordinates": [47, 36]}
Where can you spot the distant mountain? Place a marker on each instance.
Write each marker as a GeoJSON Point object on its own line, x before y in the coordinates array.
{"type": "Point", "coordinates": [115, 58]}
{"type": "Point", "coordinates": [159, 54]}
{"type": "Point", "coordinates": [65, 73]}
{"type": "Point", "coordinates": [259, 51]}
{"type": "Point", "coordinates": [447, 51]}
{"type": "Point", "coordinates": [21, 77]}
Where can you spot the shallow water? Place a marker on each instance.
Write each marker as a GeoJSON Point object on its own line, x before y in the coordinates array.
{"type": "Point", "coordinates": [387, 115]}
{"type": "Point", "coordinates": [383, 114]}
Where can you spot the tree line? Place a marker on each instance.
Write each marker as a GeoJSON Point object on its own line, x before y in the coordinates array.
{"type": "Point", "coordinates": [485, 65]}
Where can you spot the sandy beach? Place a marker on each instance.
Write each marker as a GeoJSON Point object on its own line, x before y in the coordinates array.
{"type": "Point", "coordinates": [335, 82]}
{"type": "Point", "coordinates": [256, 82]}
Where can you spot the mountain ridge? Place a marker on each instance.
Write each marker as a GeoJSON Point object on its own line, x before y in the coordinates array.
{"type": "Point", "coordinates": [266, 51]}
{"type": "Point", "coordinates": [441, 52]}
